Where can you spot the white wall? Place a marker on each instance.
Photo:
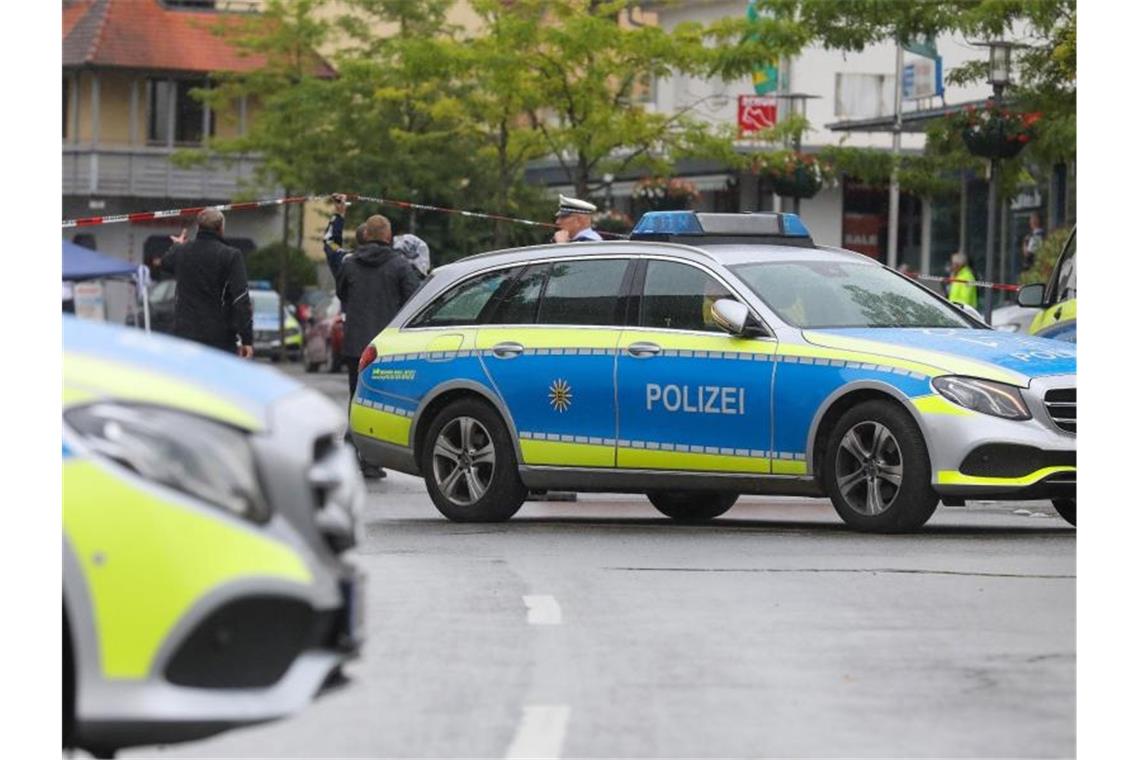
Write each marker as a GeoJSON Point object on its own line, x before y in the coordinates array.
{"type": "Point", "coordinates": [823, 215]}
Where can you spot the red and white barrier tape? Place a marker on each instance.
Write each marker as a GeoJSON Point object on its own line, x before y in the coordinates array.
{"type": "Point", "coordinates": [144, 216]}
{"type": "Point", "coordinates": [464, 212]}
{"type": "Point", "coordinates": [975, 283]}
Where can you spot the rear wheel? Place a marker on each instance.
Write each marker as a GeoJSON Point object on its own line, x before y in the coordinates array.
{"type": "Point", "coordinates": [877, 471]}
{"type": "Point", "coordinates": [1067, 508]}
{"type": "Point", "coordinates": [692, 506]}
{"type": "Point", "coordinates": [469, 464]}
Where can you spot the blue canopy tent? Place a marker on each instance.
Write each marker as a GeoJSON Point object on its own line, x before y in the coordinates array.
{"type": "Point", "coordinates": [81, 263]}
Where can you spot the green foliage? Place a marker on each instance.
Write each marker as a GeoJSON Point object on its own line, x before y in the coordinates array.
{"type": "Point", "coordinates": [1047, 255]}
{"type": "Point", "coordinates": [265, 264]}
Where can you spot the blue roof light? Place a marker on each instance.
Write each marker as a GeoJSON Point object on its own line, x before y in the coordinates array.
{"type": "Point", "coordinates": [793, 226]}
{"type": "Point", "coordinates": [668, 223]}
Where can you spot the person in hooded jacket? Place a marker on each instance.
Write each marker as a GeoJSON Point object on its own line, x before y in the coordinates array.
{"type": "Point", "coordinates": [373, 283]}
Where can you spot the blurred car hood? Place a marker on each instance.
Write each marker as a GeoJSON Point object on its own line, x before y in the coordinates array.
{"type": "Point", "coordinates": [102, 362]}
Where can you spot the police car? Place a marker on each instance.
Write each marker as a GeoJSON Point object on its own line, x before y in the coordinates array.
{"type": "Point", "coordinates": [207, 504]}
{"type": "Point", "coordinates": [710, 356]}
{"type": "Point", "coordinates": [1057, 300]}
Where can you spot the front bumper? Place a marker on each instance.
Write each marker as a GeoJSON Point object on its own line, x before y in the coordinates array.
{"type": "Point", "coordinates": [254, 649]}
{"type": "Point", "coordinates": [979, 456]}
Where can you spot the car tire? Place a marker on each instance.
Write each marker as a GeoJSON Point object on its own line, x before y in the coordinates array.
{"type": "Point", "coordinates": [692, 506]}
{"type": "Point", "coordinates": [1067, 509]}
{"type": "Point", "coordinates": [877, 471]}
{"type": "Point", "coordinates": [469, 464]}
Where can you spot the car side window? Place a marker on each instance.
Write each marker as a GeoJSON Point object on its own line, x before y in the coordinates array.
{"type": "Point", "coordinates": [585, 292]}
{"type": "Point", "coordinates": [163, 291]}
{"type": "Point", "coordinates": [519, 305]}
{"type": "Point", "coordinates": [463, 303]}
{"type": "Point", "coordinates": [679, 297]}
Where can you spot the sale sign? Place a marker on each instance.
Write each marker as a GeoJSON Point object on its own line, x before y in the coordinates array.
{"type": "Point", "coordinates": [754, 113]}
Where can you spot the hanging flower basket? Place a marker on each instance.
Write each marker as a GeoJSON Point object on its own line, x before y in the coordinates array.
{"type": "Point", "coordinates": [666, 194]}
{"type": "Point", "coordinates": [792, 175]}
{"type": "Point", "coordinates": [992, 132]}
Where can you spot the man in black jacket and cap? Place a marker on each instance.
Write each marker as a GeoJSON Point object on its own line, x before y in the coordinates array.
{"type": "Point", "coordinates": [211, 298]}
{"type": "Point", "coordinates": [372, 283]}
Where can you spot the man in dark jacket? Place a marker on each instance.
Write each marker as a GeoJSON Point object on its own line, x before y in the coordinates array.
{"type": "Point", "coordinates": [211, 302]}
{"type": "Point", "coordinates": [372, 283]}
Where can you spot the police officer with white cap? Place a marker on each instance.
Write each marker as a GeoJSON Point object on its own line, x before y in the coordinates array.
{"type": "Point", "coordinates": [575, 220]}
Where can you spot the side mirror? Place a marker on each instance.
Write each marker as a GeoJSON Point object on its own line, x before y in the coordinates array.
{"type": "Point", "coordinates": [733, 317]}
{"type": "Point", "coordinates": [1031, 296]}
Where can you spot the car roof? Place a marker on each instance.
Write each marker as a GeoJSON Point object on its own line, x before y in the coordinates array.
{"type": "Point", "coordinates": [727, 254]}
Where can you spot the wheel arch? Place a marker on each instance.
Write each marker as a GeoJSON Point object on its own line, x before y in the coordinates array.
{"type": "Point", "coordinates": [847, 397]}
{"type": "Point", "coordinates": [446, 393]}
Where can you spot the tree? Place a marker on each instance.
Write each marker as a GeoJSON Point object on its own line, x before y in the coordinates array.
{"type": "Point", "coordinates": [589, 62]}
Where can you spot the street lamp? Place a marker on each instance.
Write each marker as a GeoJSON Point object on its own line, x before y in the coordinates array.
{"type": "Point", "coordinates": [1000, 77]}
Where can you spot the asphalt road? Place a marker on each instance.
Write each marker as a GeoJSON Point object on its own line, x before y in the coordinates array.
{"type": "Point", "coordinates": [598, 628]}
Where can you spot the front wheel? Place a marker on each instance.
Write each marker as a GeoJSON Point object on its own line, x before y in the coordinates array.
{"type": "Point", "coordinates": [877, 471]}
{"type": "Point", "coordinates": [469, 464]}
{"type": "Point", "coordinates": [1067, 508]}
{"type": "Point", "coordinates": [692, 506]}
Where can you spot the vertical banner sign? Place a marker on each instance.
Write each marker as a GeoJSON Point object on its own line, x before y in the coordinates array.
{"type": "Point", "coordinates": [766, 77]}
{"type": "Point", "coordinates": [754, 113]}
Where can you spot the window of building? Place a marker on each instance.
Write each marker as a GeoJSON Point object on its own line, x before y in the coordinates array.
{"type": "Point", "coordinates": [583, 293]}
{"type": "Point", "coordinates": [679, 297]}
{"type": "Point", "coordinates": [185, 123]}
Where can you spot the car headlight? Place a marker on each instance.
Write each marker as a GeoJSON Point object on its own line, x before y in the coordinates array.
{"type": "Point", "coordinates": [985, 396]}
{"type": "Point", "coordinates": [201, 458]}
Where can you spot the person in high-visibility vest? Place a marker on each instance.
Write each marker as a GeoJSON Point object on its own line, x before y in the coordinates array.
{"type": "Point", "coordinates": [962, 292]}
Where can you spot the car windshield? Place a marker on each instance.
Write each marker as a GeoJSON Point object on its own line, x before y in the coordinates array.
{"type": "Point", "coordinates": [819, 294]}
{"type": "Point", "coordinates": [264, 301]}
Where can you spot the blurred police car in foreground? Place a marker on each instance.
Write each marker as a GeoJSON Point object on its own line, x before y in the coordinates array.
{"type": "Point", "coordinates": [712, 355]}
{"type": "Point", "coordinates": [207, 504]}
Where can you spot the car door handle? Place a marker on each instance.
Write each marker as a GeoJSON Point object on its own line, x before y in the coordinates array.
{"type": "Point", "coordinates": [507, 350]}
{"type": "Point", "coordinates": [643, 349]}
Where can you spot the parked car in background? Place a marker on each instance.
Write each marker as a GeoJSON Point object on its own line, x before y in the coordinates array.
{"type": "Point", "coordinates": [267, 326]}
{"type": "Point", "coordinates": [161, 298]}
{"type": "Point", "coordinates": [324, 336]}
{"type": "Point", "coordinates": [1013, 318]}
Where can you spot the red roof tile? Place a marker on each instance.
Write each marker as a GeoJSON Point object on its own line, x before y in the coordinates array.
{"type": "Point", "coordinates": [144, 34]}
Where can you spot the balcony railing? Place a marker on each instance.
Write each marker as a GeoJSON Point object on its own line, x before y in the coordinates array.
{"type": "Point", "coordinates": [149, 173]}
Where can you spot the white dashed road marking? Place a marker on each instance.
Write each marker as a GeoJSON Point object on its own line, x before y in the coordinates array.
{"type": "Point", "coordinates": [542, 609]}
{"type": "Point", "coordinates": [541, 732]}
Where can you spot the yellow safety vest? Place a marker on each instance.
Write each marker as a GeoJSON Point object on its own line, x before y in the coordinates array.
{"type": "Point", "coordinates": [961, 292]}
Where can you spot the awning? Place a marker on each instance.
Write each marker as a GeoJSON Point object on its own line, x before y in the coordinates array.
{"type": "Point", "coordinates": [912, 121]}
{"type": "Point", "coordinates": [81, 263]}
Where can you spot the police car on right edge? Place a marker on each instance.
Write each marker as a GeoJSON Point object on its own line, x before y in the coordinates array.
{"type": "Point", "coordinates": [710, 356]}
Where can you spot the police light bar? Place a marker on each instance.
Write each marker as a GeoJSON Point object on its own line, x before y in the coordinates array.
{"type": "Point", "coordinates": [260, 285]}
{"type": "Point", "coordinates": [700, 227]}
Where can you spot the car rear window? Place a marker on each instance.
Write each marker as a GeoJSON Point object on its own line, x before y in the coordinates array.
{"type": "Point", "coordinates": [583, 292]}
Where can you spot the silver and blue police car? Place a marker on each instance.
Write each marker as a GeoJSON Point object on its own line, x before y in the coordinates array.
{"type": "Point", "coordinates": [710, 356]}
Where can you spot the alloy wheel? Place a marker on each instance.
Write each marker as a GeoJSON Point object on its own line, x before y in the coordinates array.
{"type": "Point", "coordinates": [869, 468]}
{"type": "Point", "coordinates": [463, 460]}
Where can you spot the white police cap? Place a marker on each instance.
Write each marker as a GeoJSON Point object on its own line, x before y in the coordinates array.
{"type": "Point", "coordinates": [568, 206]}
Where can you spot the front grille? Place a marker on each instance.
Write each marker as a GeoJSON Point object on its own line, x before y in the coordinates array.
{"type": "Point", "coordinates": [1061, 403]}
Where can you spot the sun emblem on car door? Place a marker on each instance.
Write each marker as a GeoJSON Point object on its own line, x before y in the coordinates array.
{"type": "Point", "coordinates": [560, 395]}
